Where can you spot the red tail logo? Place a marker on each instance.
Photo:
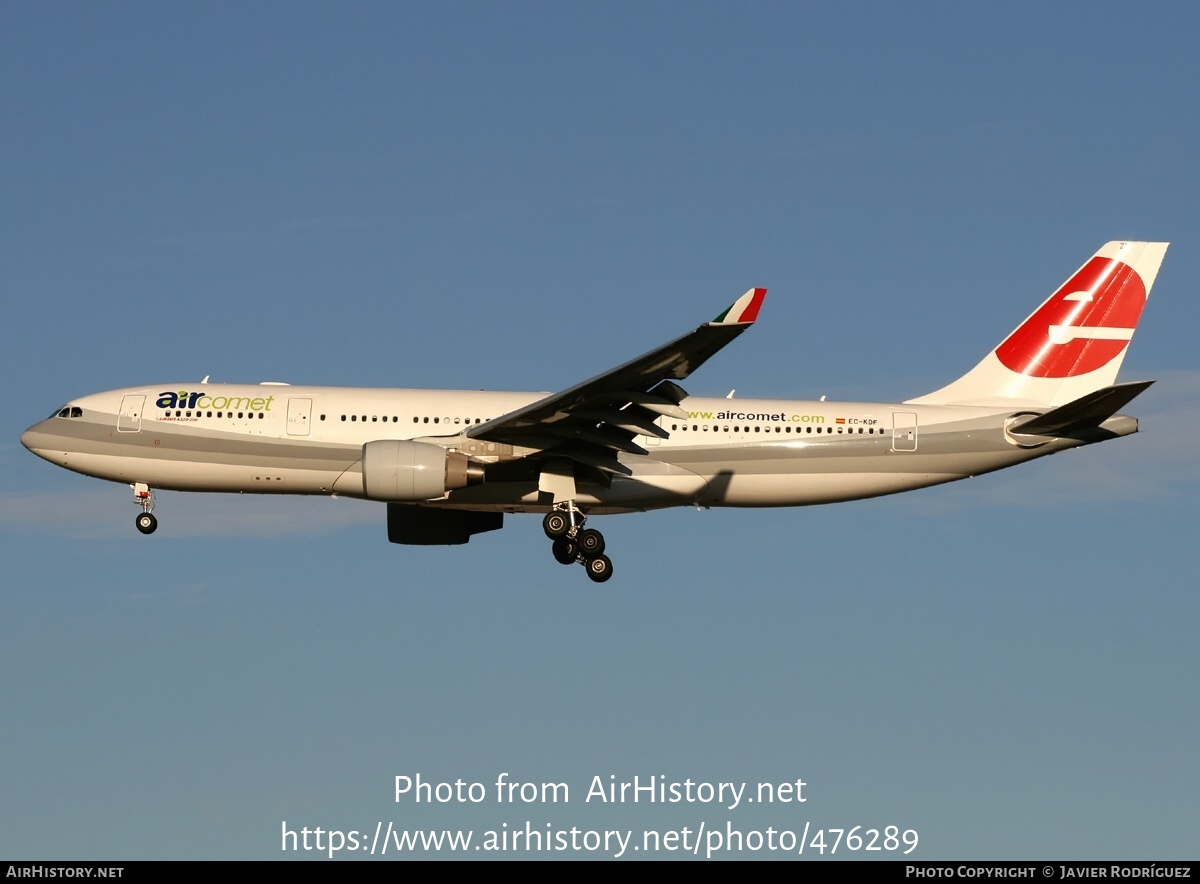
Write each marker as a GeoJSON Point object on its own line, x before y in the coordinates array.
{"type": "Point", "coordinates": [1084, 325]}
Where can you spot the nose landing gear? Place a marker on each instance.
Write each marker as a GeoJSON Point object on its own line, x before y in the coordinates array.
{"type": "Point", "coordinates": [144, 497]}
{"type": "Point", "coordinates": [573, 543]}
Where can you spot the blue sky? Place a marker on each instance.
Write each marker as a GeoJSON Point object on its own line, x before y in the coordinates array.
{"type": "Point", "coordinates": [518, 196]}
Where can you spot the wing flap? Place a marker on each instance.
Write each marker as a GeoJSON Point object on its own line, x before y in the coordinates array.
{"type": "Point", "coordinates": [595, 459]}
{"type": "Point", "coordinates": [602, 436]}
{"type": "Point", "coordinates": [626, 419]}
{"type": "Point", "coordinates": [649, 401]}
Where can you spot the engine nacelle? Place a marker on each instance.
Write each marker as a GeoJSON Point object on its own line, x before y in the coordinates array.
{"type": "Point", "coordinates": [397, 469]}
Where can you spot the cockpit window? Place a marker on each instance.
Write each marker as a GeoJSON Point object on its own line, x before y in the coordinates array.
{"type": "Point", "coordinates": [68, 411]}
{"type": "Point", "coordinates": [63, 412]}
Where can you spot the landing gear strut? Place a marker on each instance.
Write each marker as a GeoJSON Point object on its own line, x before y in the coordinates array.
{"type": "Point", "coordinates": [573, 543]}
{"type": "Point", "coordinates": [144, 497]}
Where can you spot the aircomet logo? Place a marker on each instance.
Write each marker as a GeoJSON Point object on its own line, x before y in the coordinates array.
{"type": "Point", "coordinates": [1084, 326]}
{"type": "Point", "coordinates": [1064, 334]}
{"type": "Point", "coordinates": [184, 399]}
{"type": "Point", "coordinates": [745, 416]}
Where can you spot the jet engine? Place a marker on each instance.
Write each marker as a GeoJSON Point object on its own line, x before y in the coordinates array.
{"type": "Point", "coordinates": [395, 469]}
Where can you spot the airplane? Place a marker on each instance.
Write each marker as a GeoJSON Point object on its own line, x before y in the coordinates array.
{"type": "Point", "coordinates": [449, 464]}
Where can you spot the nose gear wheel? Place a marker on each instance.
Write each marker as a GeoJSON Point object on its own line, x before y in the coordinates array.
{"type": "Point", "coordinates": [143, 496]}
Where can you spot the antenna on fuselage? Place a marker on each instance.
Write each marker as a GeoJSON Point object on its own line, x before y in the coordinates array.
{"type": "Point", "coordinates": [206, 377]}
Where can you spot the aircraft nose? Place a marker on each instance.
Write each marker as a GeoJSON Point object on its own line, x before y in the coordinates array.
{"type": "Point", "coordinates": [34, 438]}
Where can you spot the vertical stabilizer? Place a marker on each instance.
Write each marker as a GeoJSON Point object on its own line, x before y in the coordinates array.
{"type": "Point", "coordinates": [1074, 343]}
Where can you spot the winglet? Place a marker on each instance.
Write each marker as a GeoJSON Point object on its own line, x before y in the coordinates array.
{"type": "Point", "coordinates": [744, 310]}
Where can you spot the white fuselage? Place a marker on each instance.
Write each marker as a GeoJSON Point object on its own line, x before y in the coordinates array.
{"type": "Point", "coordinates": [283, 439]}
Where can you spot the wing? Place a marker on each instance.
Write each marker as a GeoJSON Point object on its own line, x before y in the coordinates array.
{"type": "Point", "coordinates": [592, 422]}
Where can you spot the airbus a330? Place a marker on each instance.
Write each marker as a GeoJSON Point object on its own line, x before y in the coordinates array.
{"type": "Point", "coordinates": [450, 464]}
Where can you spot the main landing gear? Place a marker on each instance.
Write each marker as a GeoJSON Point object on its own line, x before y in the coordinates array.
{"type": "Point", "coordinates": [574, 543]}
{"type": "Point", "coordinates": [144, 497]}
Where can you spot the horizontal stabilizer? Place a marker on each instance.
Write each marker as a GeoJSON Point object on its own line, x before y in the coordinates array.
{"type": "Point", "coordinates": [1085, 413]}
